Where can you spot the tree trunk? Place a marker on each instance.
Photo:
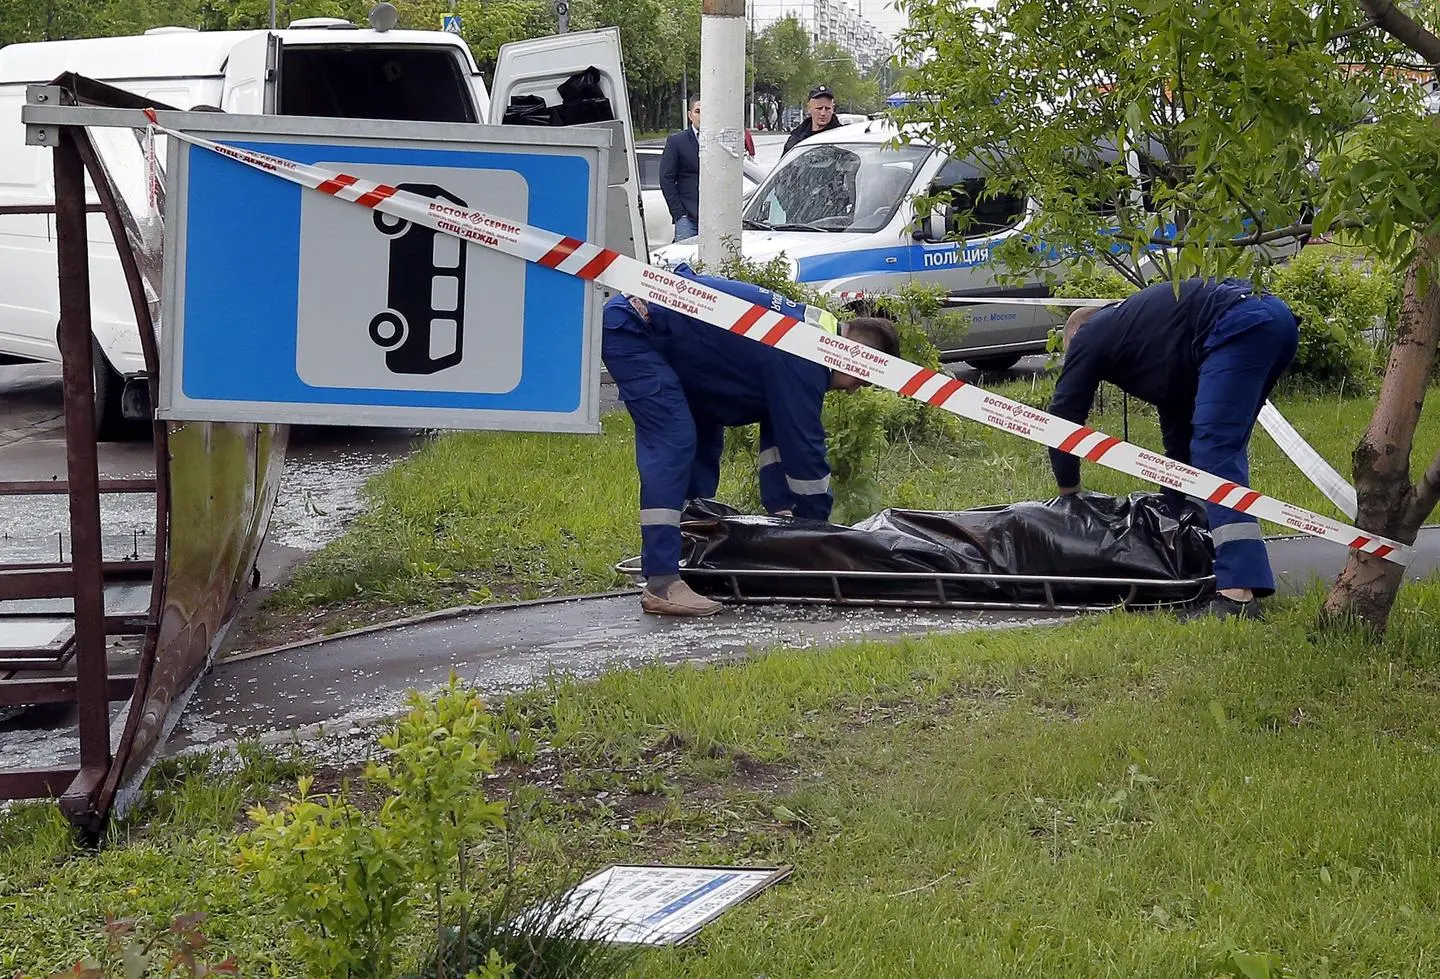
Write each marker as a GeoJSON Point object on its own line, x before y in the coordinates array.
{"type": "Point", "coordinates": [1399, 25]}
{"type": "Point", "coordinates": [1387, 502]}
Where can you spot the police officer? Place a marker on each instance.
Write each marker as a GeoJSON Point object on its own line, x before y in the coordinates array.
{"type": "Point", "coordinates": [683, 382]}
{"type": "Point", "coordinates": [819, 116]}
{"type": "Point", "coordinates": [1206, 357]}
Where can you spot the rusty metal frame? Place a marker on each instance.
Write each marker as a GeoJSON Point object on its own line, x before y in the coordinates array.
{"type": "Point", "coordinates": [160, 435]}
{"type": "Point", "coordinates": [86, 793]}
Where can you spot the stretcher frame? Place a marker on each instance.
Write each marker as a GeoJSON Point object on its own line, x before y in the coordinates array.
{"type": "Point", "coordinates": [1157, 593]}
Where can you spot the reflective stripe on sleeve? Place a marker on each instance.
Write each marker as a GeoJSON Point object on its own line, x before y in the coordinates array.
{"type": "Point", "coordinates": [769, 457]}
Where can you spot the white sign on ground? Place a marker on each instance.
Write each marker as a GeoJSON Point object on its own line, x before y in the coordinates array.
{"type": "Point", "coordinates": [660, 905]}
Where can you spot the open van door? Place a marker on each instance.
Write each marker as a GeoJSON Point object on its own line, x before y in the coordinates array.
{"type": "Point", "coordinates": [252, 73]}
{"type": "Point", "coordinates": [538, 67]}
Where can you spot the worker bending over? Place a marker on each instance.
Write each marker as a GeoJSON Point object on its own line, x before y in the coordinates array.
{"type": "Point", "coordinates": [1207, 359]}
{"type": "Point", "coordinates": [683, 382]}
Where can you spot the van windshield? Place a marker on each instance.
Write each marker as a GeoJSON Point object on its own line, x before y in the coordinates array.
{"type": "Point", "coordinates": [836, 187]}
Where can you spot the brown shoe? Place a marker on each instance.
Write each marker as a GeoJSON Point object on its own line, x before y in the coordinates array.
{"type": "Point", "coordinates": [679, 599]}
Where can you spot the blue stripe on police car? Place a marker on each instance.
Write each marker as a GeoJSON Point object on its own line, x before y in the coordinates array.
{"type": "Point", "coordinates": [899, 258]}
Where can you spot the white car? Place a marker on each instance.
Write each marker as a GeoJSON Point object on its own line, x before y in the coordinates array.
{"type": "Point", "coordinates": [659, 229]}
{"type": "Point", "coordinates": [840, 208]}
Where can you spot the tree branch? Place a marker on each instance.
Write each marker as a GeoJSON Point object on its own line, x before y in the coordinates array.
{"type": "Point", "coordinates": [1369, 23]}
{"type": "Point", "coordinates": [1382, 65]}
{"type": "Point", "coordinates": [1427, 493]}
{"type": "Point", "coordinates": [1261, 238]}
{"type": "Point", "coordinates": [1403, 28]}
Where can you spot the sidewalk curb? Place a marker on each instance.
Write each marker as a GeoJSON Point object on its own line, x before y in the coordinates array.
{"type": "Point", "coordinates": [454, 612]}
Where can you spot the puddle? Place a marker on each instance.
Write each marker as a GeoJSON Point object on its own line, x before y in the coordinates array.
{"type": "Point", "coordinates": [37, 528]}
{"type": "Point", "coordinates": [320, 490]}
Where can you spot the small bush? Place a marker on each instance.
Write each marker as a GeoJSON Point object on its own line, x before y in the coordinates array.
{"type": "Point", "coordinates": [922, 322]}
{"type": "Point", "coordinates": [1344, 308]}
{"type": "Point", "coordinates": [1347, 311]}
{"type": "Point", "coordinates": [353, 880]}
{"type": "Point", "coordinates": [859, 425]}
{"type": "Point", "coordinates": [1090, 280]}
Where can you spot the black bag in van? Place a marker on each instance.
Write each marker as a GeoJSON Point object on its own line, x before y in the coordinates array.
{"type": "Point", "coordinates": [529, 110]}
{"type": "Point", "coordinates": [582, 85]}
{"type": "Point", "coordinates": [583, 100]}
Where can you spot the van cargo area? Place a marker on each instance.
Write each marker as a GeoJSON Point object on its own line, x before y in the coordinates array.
{"type": "Point", "coordinates": [335, 71]}
{"type": "Point", "coordinates": [412, 84]}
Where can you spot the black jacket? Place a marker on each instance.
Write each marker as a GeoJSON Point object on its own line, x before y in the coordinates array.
{"type": "Point", "coordinates": [680, 174]}
{"type": "Point", "coordinates": [1149, 346]}
{"type": "Point", "coordinates": [803, 132]}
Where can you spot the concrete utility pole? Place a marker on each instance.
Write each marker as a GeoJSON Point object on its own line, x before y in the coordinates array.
{"type": "Point", "coordinates": [750, 116]}
{"type": "Point", "coordinates": [722, 128]}
{"type": "Point", "coordinates": [272, 14]}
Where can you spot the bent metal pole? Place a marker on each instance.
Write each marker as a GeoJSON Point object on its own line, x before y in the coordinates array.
{"type": "Point", "coordinates": [727, 312]}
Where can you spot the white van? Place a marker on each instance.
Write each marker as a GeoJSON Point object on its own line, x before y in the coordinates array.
{"type": "Point", "coordinates": [317, 67]}
{"type": "Point", "coordinates": [840, 209]}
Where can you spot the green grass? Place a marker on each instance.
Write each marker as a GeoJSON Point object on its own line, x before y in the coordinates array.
{"type": "Point", "coordinates": [1125, 796]}
{"type": "Point", "coordinates": [475, 518]}
{"type": "Point", "coordinates": [172, 855]}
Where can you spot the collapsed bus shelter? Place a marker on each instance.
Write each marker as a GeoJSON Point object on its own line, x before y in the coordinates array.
{"type": "Point", "coordinates": [213, 485]}
{"type": "Point", "coordinates": [218, 446]}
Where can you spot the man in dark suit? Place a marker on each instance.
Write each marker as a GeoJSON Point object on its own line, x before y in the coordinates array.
{"type": "Point", "coordinates": [680, 175]}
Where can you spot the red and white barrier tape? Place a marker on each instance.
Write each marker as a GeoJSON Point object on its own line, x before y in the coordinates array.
{"type": "Point", "coordinates": [722, 310]}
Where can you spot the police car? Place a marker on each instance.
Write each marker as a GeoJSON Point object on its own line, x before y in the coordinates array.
{"type": "Point", "coordinates": [840, 209]}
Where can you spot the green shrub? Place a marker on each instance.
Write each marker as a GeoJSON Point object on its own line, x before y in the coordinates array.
{"type": "Point", "coordinates": [922, 322]}
{"type": "Point", "coordinates": [858, 425]}
{"type": "Point", "coordinates": [1338, 302]}
{"type": "Point", "coordinates": [353, 879]}
{"type": "Point", "coordinates": [1091, 280]}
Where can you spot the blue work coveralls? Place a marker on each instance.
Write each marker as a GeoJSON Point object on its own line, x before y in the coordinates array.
{"type": "Point", "coordinates": [683, 382]}
{"type": "Point", "coordinates": [1207, 359]}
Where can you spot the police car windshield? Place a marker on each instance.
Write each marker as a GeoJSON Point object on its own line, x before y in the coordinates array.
{"type": "Point", "coordinates": [836, 187]}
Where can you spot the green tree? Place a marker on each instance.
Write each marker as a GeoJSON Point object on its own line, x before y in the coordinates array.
{"type": "Point", "coordinates": [836, 68]}
{"type": "Point", "coordinates": [785, 65]}
{"type": "Point", "coordinates": [1205, 128]}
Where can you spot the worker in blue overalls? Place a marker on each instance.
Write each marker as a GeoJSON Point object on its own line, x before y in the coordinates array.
{"type": "Point", "coordinates": [1206, 357]}
{"type": "Point", "coordinates": [683, 382]}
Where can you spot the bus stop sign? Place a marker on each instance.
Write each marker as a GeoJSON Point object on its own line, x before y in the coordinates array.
{"type": "Point", "coordinates": [290, 306]}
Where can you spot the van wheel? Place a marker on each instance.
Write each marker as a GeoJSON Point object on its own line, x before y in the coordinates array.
{"type": "Point", "coordinates": [110, 422]}
{"type": "Point", "coordinates": [1000, 362]}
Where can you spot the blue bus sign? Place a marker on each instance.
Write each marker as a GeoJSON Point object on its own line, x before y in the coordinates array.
{"type": "Point", "coordinates": [286, 305]}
